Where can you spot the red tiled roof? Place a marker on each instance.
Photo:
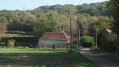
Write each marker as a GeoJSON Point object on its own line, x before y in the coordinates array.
{"type": "Point", "coordinates": [53, 36]}
{"type": "Point", "coordinates": [58, 35]}
{"type": "Point", "coordinates": [60, 31]}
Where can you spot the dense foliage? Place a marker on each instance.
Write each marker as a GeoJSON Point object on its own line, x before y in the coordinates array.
{"type": "Point", "coordinates": [110, 43]}
{"type": "Point", "coordinates": [49, 18]}
{"type": "Point", "coordinates": [20, 41]}
{"type": "Point", "coordinates": [114, 6]}
{"type": "Point", "coordinates": [87, 41]}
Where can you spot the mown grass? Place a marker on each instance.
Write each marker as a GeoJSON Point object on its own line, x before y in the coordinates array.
{"type": "Point", "coordinates": [110, 56]}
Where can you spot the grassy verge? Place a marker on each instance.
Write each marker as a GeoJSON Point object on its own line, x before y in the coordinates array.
{"type": "Point", "coordinates": [110, 56]}
{"type": "Point", "coordinates": [77, 60]}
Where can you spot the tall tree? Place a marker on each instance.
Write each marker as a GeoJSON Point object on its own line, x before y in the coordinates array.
{"type": "Point", "coordinates": [114, 6]}
{"type": "Point", "coordinates": [84, 21]}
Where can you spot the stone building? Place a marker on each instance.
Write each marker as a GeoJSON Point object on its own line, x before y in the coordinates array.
{"type": "Point", "coordinates": [58, 38]}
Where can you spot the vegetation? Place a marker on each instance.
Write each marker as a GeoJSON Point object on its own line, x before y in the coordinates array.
{"type": "Point", "coordinates": [49, 18]}
{"type": "Point", "coordinates": [11, 43]}
{"type": "Point", "coordinates": [42, 57]}
{"type": "Point", "coordinates": [35, 57]}
{"type": "Point", "coordinates": [21, 41]}
{"type": "Point", "coordinates": [113, 4]}
{"type": "Point", "coordinates": [54, 46]}
{"type": "Point", "coordinates": [109, 42]}
{"type": "Point", "coordinates": [93, 19]}
{"type": "Point", "coordinates": [111, 56]}
{"type": "Point", "coordinates": [87, 41]}
{"type": "Point", "coordinates": [75, 59]}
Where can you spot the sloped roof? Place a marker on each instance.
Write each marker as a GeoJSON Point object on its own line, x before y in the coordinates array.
{"type": "Point", "coordinates": [109, 31]}
{"type": "Point", "coordinates": [58, 35]}
{"type": "Point", "coordinates": [60, 31]}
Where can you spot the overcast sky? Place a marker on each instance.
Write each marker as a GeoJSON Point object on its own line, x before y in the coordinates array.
{"type": "Point", "coordinates": [32, 4]}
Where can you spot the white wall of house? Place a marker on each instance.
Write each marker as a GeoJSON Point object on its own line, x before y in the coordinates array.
{"type": "Point", "coordinates": [50, 43]}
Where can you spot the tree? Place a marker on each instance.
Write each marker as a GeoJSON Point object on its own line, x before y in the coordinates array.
{"type": "Point", "coordinates": [3, 27]}
{"type": "Point", "coordinates": [102, 23]}
{"type": "Point", "coordinates": [40, 28]}
{"type": "Point", "coordinates": [49, 24]}
{"type": "Point", "coordinates": [114, 6]}
{"type": "Point", "coordinates": [84, 21]}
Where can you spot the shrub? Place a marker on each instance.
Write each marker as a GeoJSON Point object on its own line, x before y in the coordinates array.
{"type": "Point", "coordinates": [2, 43]}
{"type": "Point", "coordinates": [68, 46]}
{"type": "Point", "coordinates": [110, 43]}
{"type": "Point", "coordinates": [54, 46]}
{"type": "Point", "coordinates": [11, 43]}
{"type": "Point", "coordinates": [22, 41]}
{"type": "Point", "coordinates": [45, 46]}
{"type": "Point", "coordinates": [88, 41]}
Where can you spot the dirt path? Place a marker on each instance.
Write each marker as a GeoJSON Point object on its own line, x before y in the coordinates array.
{"type": "Point", "coordinates": [99, 60]}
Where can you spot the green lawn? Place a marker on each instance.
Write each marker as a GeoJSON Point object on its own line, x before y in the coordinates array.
{"type": "Point", "coordinates": [21, 57]}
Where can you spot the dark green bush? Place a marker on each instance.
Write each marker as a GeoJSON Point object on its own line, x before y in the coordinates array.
{"type": "Point", "coordinates": [109, 44]}
{"type": "Point", "coordinates": [54, 46]}
{"type": "Point", "coordinates": [2, 43]}
{"type": "Point", "coordinates": [87, 41]}
{"type": "Point", "coordinates": [22, 41]}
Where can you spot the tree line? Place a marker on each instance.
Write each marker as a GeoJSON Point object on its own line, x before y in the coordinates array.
{"type": "Point", "coordinates": [49, 18]}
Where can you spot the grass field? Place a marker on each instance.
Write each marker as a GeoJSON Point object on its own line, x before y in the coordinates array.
{"type": "Point", "coordinates": [16, 57]}
{"type": "Point", "coordinates": [31, 57]}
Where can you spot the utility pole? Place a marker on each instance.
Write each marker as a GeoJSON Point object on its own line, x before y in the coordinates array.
{"type": "Point", "coordinates": [96, 38]}
{"type": "Point", "coordinates": [71, 33]}
{"type": "Point", "coordinates": [77, 32]}
{"type": "Point", "coordinates": [102, 42]}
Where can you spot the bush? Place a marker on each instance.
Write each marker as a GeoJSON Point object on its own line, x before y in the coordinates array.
{"type": "Point", "coordinates": [22, 41]}
{"type": "Point", "coordinates": [68, 46]}
{"type": "Point", "coordinates": [87, 41]}
{"type": "Point", "coordinates": [11, 43]}
{"type": "Point", "coordinates": [2, 43]}
{"type": "Point", "coordinates": [109, 44]}
{"type": "Point", "coordinates": [54, 46]}
{"type": "Point", "coordinates": [45, 46]}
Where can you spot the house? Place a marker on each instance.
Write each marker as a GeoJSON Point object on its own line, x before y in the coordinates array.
{"type": "Point", "coordinates": [58, 38]}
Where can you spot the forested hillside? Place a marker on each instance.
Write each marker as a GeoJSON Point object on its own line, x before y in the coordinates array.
{"type": "Point", "coordinates": [49, 18]}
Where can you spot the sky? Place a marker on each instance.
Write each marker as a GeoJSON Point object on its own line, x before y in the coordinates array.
{"type": "Point", "coordinates": [32, 4]}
